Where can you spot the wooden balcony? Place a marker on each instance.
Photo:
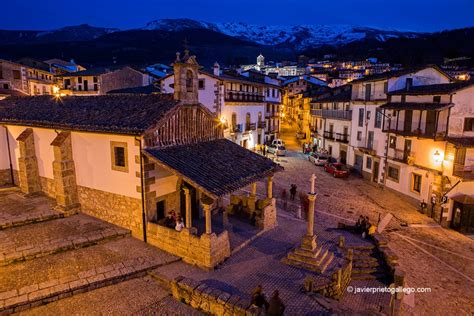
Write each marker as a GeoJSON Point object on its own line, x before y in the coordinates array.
{"type": "Point", "coordinates": [400, 155]}
{"type": "Point", "coordinates": [236, 96]}
{"type": "Point", "coordinates": [329, 135]}
{"type": "Point", "coordinates": [342, 138]}
{"type": "Point", "coordinates": [332, 114]}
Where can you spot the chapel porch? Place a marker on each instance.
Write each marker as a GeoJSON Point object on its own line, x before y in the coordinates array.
{"type": "Point", "coordinates": [199, 182]}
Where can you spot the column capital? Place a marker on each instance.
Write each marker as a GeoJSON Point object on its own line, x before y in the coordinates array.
{"type": "Point", "coordinates": [186, 190]}
{"type": "Point", "coordinates": [312, 196]}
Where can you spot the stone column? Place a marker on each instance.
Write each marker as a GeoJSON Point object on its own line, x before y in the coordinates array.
{"type": "Point", "coordinates": [64, 173]}
{"type": "Point", "coordinates": [253, 191]}
{"type": "Point", "coordinates": [310, 227]}
{"type": "Point", "coordinates": [28, 163]}
{"type": "Point", "coordinates": [270, 187]}
{"type": "Point", "coordinates": [187, 198]}
{"type": "Point", "coordinates": [206, 205]}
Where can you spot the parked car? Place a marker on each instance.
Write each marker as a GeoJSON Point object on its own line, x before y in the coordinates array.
{"type": "Point", "coordinates": [318, 159]}
{"type": "Point", "coordinates": [300, 135]}
{"type": "Point", "coordinates": [278, 142]}
{"type": "Point", "coordinates": [278, 150]}
{"type": "Point", "coordinates": [337, 169]}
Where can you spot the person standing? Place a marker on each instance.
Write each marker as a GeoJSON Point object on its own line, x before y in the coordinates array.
{"type": "Point", "coordinates": [292, 192]}
{"type": "Point", "coordinates": [258, 298]}
{"type": "Point", "coordinates": [275, 305]}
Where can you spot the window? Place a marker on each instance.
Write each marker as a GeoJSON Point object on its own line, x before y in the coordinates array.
{"type": "Point", "coordinates": [368, 115]}
{"type": "Point", "coordinates": [119, 156]}
{"type": "Point", "coordinates": [368, 163]}
{"type": "Point", "coordinates": [16, 74]}
{"type": "Point", "coordinates": [96, 87]}
{"type": "Point", "coordinates": [367, 92]}
{"type": "Point", "coordinates": [370, 140]}
{"type": "Point", "coordinates": [79, 79]}
{"type": "Point", "coordinates": [378, 119]}
{"type": "Point", "coordinates": [469, 124]}
{"type": "Point", "coordinates": [437, 99]}
{"type": "Point", "coordinates": [67, 83]}
{"type": "Point", "coordinates": [189, 81]}
{"type": "Point", "coordinates": [359, 135]}
{"type": "Point", "coordinates": [201, 84]}
{"type": "Point", "coordinates": [393, 142]}
{"type": "Point", "coordinates": [5, 86]}
{"type": "Point", "coordinates": [393, 173]}
{"type": "Point", "coordinates": [96, 79]}
{"type": "Point", "coordinates": [330, 150]}
{"type": "Point", "coordinates": [361, 117]}
{"type": "Point", "coordinates": [416, 183]}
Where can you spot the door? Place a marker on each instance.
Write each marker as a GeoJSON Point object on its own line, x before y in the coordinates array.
{"type": "Point", "coordinates": [463, 217]}
{"type": "Point", "coordinates": [375, 172]}
{"type": "Point", "coordinates": [86, 87]}
{"type": "Point", "coordinates": [160, 210]}
{"type": "Point", "coordinates": [430, 122]}
{"type": "Point", "coordinates": [358, 163]}
{"type": "Point", "coordinates": [343, 155]}
{"type": "Point", "coordinates": [408, 121]}
{"type": "Point", "coordinates": [407, 149]}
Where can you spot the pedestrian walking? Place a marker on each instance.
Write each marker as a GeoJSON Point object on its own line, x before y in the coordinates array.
{"type": "Point", "coordinates": [258, 298]}
{"type": "Point", "coordinates": [275, 305]}
{"type": "Point", "coordinates": [293, 191]}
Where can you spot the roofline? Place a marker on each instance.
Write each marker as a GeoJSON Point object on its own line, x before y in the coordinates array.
{"type": "Point", "coordinates": [437, 68]}
{"type": "Point", "coordinates": [35, 125]}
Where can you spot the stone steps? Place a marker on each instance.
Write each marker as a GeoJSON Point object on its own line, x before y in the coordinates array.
{"type": "Point", "coordinates": [317, 262]}
{"type": "Point", "coordinates": [26, 219]}
{"type": "Point", "coordinates": [367, 264]}
{"type": "Point", "coordinates": [53, 246]}
{"type": "Point", "coordinates": [43, 280]}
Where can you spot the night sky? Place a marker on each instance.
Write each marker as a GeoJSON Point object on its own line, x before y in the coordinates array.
{"type": "Point", "coordinates": [415, 15]}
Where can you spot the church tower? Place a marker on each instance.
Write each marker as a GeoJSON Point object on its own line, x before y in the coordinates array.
{"type": "Point", "coordinates": [186, 70]}
{"type": "Point", "coordinates": [260, 61]}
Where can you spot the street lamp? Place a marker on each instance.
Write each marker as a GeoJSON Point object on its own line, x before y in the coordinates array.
{"type": "Point", "coordinates": [437, 157]}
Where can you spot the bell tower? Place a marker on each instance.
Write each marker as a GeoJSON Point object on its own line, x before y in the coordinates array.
{"type": "Point", "coordinates": [186, 70]}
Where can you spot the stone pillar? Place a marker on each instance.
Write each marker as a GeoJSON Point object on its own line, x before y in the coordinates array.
{"type": "Point", "coordinates": [64, 173]}
{"type": "Point", "coordinates": [270, 187]}
{"type": "Point", "coordinates": [253, 191]}
{"type": "Point", "coordinates": [310, 227]}
{"type": "Point", "coordinates": [27, 163]}
{"type": "Point", "coordinates": [187, 198]}
{"type": "Point", "coordinates": [206, 205]}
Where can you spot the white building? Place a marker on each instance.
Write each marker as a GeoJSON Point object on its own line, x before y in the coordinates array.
{"type": "Point", "coordinates": [248, 107]}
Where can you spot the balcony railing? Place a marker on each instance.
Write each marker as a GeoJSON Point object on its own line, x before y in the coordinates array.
{"type": "Point", "coordinates": [250, 127]}
{"type": "Point", "coordinates": [343, 138]}
{"type": "Point", "coordinates": [236, 96]}
{"type": "Point", "coordinates": [329, 135]}
{"type": "Point", "coordinates": [261, 125]}
{"type": "Point", "coordinates": [404, 156]}
{"type": "Point", "coordinates": [236, 128]}
{"type": "Point", "coordinates": [333, 114]}
{"type": "Point", "coordinates": [367, 146]}
{"type": "Point", "coordinates": [464, 172]}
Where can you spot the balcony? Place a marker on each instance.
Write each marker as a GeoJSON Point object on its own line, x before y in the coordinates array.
{"type": "Point", "coordinates": [261, 125]}
{"type": "Point", "coordinates": [464, 172]}
{"type": "Point", "coordinates": [272, 114]}
{"type": "Point", "coordinates": [236, 128]}
{"type": "Point", "coordinates": [250, 127]}
{"type": "Point", "coordinates": [236, 96]}
{"type": "Point", "coordinates": [367, 146]}
{"type": "Point", "coordinates": [342, 138]}
{"type": "Point", "coordinates": [329, 135]}
{"type": "Point", "coordinates": [403, 156]}
{"type": "Point", "coordinates": [332, 114]}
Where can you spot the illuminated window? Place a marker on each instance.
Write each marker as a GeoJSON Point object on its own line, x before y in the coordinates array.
{"type": "Point", "coordinates": [393, 173]}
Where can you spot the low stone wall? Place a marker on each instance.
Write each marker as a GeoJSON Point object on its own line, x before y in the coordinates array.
{"type": "Point", "coordinates": [117, 209]}
{"type": "Point", "coordinates": [48, 187]}
{"type": "Point", "coordinates": [211, 300]}
{"type": "Point", "coordinates": [205, 251]}
{"type": "Point", "coordinates": [268, 217]}
{"type": "Point", "coordinates": [265, 209]}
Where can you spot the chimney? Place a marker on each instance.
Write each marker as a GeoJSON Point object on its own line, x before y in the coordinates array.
{"type": "Point", "coordinates": [217, 69]}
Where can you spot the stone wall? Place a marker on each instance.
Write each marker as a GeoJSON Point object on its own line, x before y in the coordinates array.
{"type": "Point", "coordinates": [117, 209]}
{"type": "Point", "coordinates": [47, 186]}
{"type": "Point", "coordinates": [265, 209]}
{"type": "Point", "coordinates": [205, 251]}
{"type": "Point", "coordinates": [5, 177]}
{"type": "Point", "coordinates": [210, 300]}
{"type": "Point", "coordinates": [336, 288]}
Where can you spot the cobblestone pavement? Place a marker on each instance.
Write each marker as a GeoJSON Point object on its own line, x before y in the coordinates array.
{"type": "Point", "coordinates": [141, 296]}
{"type": "Point", "coordinates": [260, 263]}
{"type": "Point", "coordinates": [449, 273]}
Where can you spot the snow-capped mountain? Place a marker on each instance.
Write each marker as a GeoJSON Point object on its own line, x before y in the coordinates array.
{"type": "Point", "coordinates": [298, 36]}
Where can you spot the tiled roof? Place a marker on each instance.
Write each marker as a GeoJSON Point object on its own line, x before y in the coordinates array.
{"type": "Point", "coordinates": [344, 96]}
{"type": "Point", "coordinates": [117, 114]}
{"type": "Point", "coordinates": [444, 88]}
{"type": "Point", "coordinates": [150, 89]}
{"type": "Point", "coordinates": [395, 73]}
{"type": "Point", "coordinates": [219, 166]}
{"type": "Point", "coordinates": [415, 106]}
{"type": "Point", "coordinates": [87, 72]}
{"type": "Point", "coordinates": [461, 141]}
